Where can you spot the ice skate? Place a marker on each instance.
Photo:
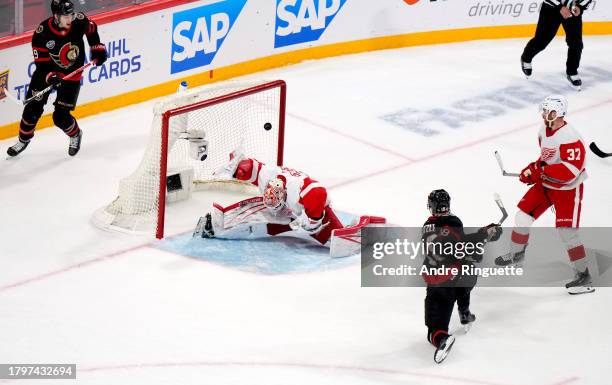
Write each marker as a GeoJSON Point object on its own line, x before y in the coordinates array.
{"type": "Point", "coordinates": [446, 344]}
{"type": "Point", "coordinates": [204, 227]}
{"type": "Point", "coordinates": [17, 148]}
{"type": "Point", "coordinates": [75, 144]}
{"type": "Point", "coordinates": [467, 319]}
{"type": "Point", "coordinates": [514, 259]}
{"type": "Point", "coordinates": [526, 68]}
{"type": "Point", "coordinates": [575, 81]}
{"type": "Point", "coordinates": [581, 284]}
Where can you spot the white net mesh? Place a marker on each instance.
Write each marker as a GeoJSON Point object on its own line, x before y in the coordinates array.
{"type": "Point", "coordinates": [200, 140]}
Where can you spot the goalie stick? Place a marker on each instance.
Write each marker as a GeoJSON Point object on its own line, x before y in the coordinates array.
{"type": "Point", "coordinates": [501, 166]}
{"type": "Point", "coordinates": [597, 151]}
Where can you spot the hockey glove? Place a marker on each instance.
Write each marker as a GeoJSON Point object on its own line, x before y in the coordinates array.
{"type": "Point", "coordinates": [54, 79]}
{"type": "Point", "coordinates": [492, 232]}
{"type": "Point", "coordinates": [98, 54]}
{"type": "Point", "coordinates": [531, 174]}
{"type": "Point", "coordinates": [309, 225]}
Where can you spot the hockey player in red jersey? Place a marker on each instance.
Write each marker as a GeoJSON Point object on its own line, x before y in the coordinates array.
{"type": "Point", "coordinates": [290, 201]}
{"type": "Point", "coordinates": [58, 49]}
{"type": "Point", "coordinates": [556, 180]}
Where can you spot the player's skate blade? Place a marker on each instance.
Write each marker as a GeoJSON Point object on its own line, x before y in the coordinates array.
{"type": "Point", "coordinates": [582, 284]}
{"type": "Point", "coordinates": [445, 347]}
{"type": "Point", "coordinates": [17, 148]}
{"type": "Point", "coordinates": [75, 144]}
{"type": "Point", "coordinates": [526, 68]}
{"type": "Point", "coordinates": [575, 82]}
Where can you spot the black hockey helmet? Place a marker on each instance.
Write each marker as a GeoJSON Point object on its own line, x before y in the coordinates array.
{"type": "Point", "coordinates": [62, 7]}
{"type": "Point", "coordinates": [438, 202]}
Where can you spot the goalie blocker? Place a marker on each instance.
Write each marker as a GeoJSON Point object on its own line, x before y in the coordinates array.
{"type": "Point", "coordinates": [290, 201]}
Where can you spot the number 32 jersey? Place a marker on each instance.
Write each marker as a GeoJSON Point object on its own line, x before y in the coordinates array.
{"type": "Point", "coordinates": [563, 153]}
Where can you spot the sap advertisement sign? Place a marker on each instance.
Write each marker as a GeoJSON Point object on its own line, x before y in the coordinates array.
{"type": "Point", "coordinates": [301, 21]}
{"type": "Point", "coordinates": [199, 33]}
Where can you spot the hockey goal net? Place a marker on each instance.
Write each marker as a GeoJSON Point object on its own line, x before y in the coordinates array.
{"type": "Point", "coordinates": [193, 132]}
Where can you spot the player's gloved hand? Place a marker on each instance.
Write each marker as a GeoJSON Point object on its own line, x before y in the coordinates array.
{"type": "Point", "coordinates": [531, 174]}
{"type": "Point", "coordinates": [309, 225]}
{"type": "Point", "coordinates": [54, 79]}
{"type": "Point", "coordinates": [492, 232]}
{"type": "Point", "coordinates": [98, 54]}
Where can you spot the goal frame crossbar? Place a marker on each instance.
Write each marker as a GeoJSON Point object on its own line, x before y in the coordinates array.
{"type": "Point", "coordinates": [159, 234]}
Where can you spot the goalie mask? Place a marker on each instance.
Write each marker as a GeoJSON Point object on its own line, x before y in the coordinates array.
{"type": "Point", "coordinates": [275, 194]}
{"type": "Point", "coordinates": [553, 107]}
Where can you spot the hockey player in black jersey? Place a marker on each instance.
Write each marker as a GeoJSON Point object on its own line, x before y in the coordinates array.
{"type": "Point", "coordinates": [58, 48]}
{"type": "Point", "coordinates": [443, 290]}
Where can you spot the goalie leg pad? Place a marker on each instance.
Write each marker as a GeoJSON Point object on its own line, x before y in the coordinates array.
{"type": "Point", "coordinates": [330, 223]}
{"type": "Point", "coordinates": [244, 231]}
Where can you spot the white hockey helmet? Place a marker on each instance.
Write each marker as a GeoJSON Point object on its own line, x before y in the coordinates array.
{"type": "Point", "coordinates": [556, 103]}
{"type": "Point", "coordinates": [275, 194]}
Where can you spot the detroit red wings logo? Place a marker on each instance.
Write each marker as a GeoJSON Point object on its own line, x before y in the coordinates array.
{"type": "Point", "coordinates": [547, 153]}
{"type": "Point", "coordinates": [66, 55]}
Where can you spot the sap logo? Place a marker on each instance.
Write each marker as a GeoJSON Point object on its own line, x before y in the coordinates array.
{"type": "Point", "coordinates": [199, 33]}
{"type": "Point", "coordinates": [300, 21]}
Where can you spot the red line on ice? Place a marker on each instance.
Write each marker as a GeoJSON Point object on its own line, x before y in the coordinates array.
{"type": "Point", "coordinates": [287, 365]}
{"type": "Point", "coordinates": [567, 381]}
{"type": "Point", "coordinates": [69, 268]}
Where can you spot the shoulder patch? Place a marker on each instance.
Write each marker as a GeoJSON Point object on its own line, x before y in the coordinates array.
{"type": "Point", "coordinates": [39, 29]}
{"type": "Point", "coordinates": [80, 15]}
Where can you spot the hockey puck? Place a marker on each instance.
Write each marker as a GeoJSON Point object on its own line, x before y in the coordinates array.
{"type": "Point", "coordinates": [267, 126]}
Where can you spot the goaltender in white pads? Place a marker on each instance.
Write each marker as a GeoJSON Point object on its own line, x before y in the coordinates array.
{"type": "Point", "coordinates": [290, 201]}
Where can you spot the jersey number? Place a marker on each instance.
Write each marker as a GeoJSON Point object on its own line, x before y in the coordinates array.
{"type": "Point", "coordinates": [573, 154]}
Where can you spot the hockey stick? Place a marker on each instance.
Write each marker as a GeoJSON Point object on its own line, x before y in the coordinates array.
{"type": "Point", "coordinates": [501, 166]}
{"type": "Point", "coordinates": [500, 204]}
{"type": "Point", "coordinates": [49, 88]}
{"type": "Point", "coordinates": [598, 152]}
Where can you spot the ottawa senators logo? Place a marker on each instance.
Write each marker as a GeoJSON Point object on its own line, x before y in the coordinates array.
{"type": "Point", "coordinates": [67, 55]}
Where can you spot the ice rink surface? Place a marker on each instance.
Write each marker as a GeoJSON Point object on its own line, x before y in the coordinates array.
{"type": "Point", "coordinates": [381, 129]}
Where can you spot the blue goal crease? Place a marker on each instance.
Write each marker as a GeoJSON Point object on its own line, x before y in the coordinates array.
{"type": "Point", "coordinates": [282, 254]}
